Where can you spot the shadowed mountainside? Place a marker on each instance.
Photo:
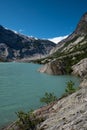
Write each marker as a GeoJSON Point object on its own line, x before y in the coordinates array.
{"type": "Point", "coordinates": [15, 46]}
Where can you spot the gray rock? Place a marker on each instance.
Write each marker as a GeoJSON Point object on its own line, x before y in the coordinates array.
{"type": "Point", "coordinates": [80, 69]}
{"type": "Point", "coordinates": [84, 82]}
{"type": "Point", "coordinates": [54, 68]}
{"type": "Point", "coordinates": [70, 113]}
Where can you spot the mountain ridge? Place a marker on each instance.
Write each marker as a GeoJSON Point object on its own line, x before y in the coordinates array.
{"type": "Point", "coordinates": [81, 30]}
{"type": "Point", "coordinates": [16, 46]}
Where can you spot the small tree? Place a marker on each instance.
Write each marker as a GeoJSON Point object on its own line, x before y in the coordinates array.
{"type": "Point", "coordinates": [70, 87]}
{"type": "Point", "coordinates": [48, 98]}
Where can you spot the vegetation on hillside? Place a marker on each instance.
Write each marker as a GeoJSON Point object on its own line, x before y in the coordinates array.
{"type": "Point", "coordinates": [48, 98]}
{"type": "Point", "coordinates": [70, 88]}
{"type": "Point", "coordinates": [29, 120]}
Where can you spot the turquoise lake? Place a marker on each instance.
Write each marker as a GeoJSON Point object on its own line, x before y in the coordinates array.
{"type": "Point", "coordinates": [22, 86]}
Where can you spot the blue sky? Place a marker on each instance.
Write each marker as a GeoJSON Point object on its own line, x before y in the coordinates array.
{"type": "Point", "coordinates": [42, 18]}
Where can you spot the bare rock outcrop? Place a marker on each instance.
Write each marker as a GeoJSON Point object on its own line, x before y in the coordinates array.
{"type": "Point", "coordinates": [54, 68]}
{"type": "Point", "coordinates": [80, 69]}
{"type": "Point", "coordinates": [84, 82]}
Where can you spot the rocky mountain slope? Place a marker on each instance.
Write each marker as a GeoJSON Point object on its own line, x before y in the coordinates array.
{"type": "Point", "coordinates": [69, 113]}
{"type": "Point", "coordinates": [78, 36]}
{"type": "Point", "coordinates": [15, 46]}
{"type": "Point", "coordinates": [68, 52]}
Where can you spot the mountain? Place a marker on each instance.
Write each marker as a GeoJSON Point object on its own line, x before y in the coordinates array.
{"type": "Point", "coordinates": [79, 34]}
{"type": "Point", "coordinates": [68, 52]}
{"type": "Point", "coordinates": [15, 46]}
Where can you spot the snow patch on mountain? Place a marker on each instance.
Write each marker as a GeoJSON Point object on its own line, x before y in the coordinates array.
{"type": "Point", "coordinates": [57, 39]}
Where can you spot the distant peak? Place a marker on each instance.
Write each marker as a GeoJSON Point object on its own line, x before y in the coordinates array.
{"type": "Point", "coordinates": [82, 25]}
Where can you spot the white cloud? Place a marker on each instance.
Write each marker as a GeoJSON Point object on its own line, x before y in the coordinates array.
{"type": "Point", "coordinates": [57, 39]}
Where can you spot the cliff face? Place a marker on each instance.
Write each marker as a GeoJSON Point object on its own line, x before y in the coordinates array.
{"type": "Point", "coordinates": [15, 46]}
{"type": "Point", "coordinates": [53, 68]}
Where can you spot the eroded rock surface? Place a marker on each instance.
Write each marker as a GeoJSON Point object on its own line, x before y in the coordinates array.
{"type": "Point", "coordinates": [70, 113]}
{"type": "Point", "coordinates": [54, 68]}
{"type": "Point", "coordinates": [80, 69]}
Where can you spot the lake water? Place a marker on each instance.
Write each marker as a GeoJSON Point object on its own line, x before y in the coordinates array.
{"type": "Point", "coordinates": [21, 87]}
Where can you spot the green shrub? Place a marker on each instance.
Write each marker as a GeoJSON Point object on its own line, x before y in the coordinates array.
{"type": "Point", "coordinates": [48, 98]}
{"type": "Point", "coordinates": [28, 121]}
{"type": "Point", "coordinates": [70, 88]}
